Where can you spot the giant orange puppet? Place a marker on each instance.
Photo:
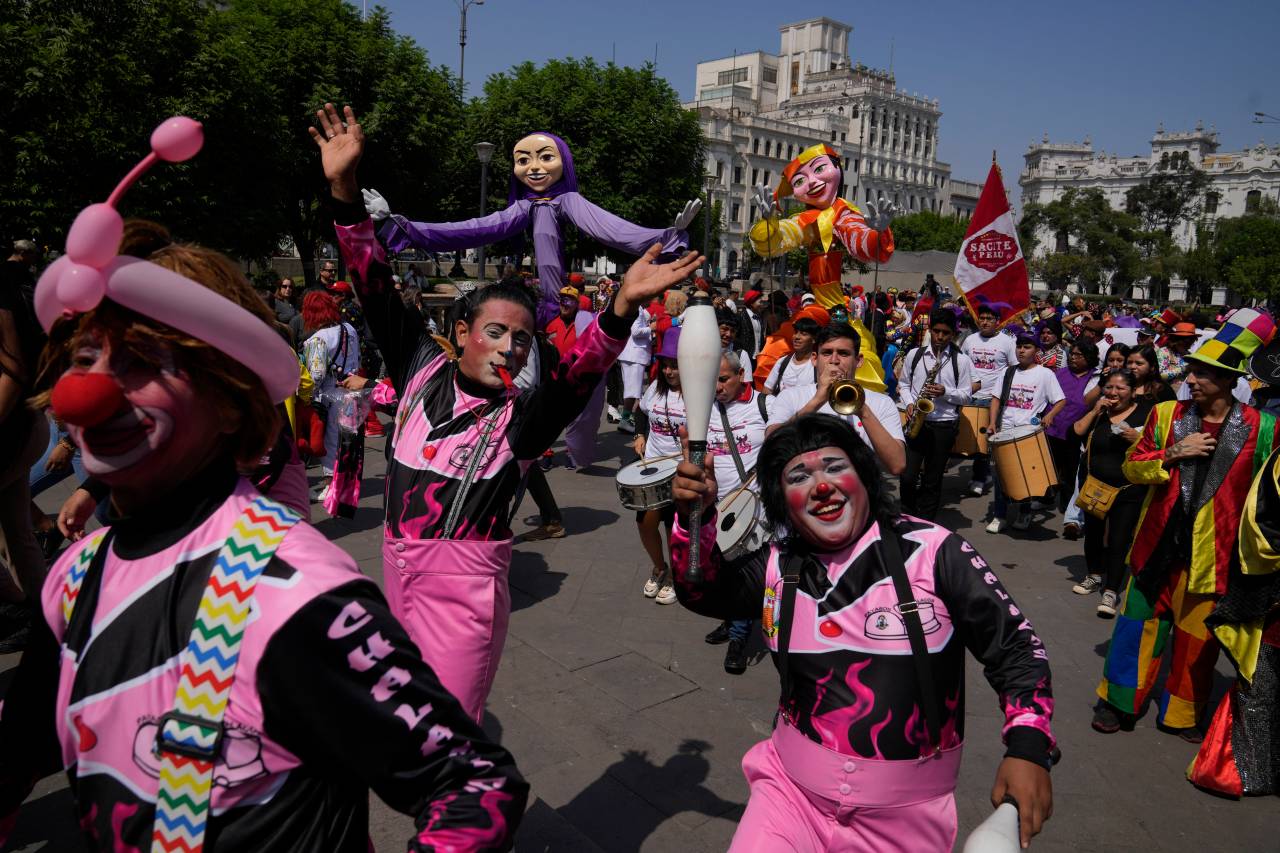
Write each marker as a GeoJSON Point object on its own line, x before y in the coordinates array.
{"type": "Point", "coordinates": [814, 178]}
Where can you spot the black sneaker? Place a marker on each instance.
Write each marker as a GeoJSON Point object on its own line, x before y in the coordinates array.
{"type": "Point", "coordinates": [718, 636]}
{"type": "Point", "coordinates": [735, 659]}
{"type": "Point", "coordinates": [1108, 720]}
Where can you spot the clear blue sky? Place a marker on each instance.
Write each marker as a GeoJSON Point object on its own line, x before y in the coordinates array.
{"type": "Point", "coordinates": [1005, 73]}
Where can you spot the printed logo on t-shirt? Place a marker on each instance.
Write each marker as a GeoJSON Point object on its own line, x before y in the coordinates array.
{"type": "Point", "coordinates": [1022, 396]}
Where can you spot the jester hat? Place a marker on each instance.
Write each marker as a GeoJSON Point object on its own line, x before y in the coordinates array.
{"type": "Point", "coordinates": [91, 270]}
{"type": "Point", "coordinates": [1244, 331]}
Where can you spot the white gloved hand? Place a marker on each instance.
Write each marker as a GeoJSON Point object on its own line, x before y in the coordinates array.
{"type": "Point", "coordinates": [879, 215]}
{"type": "Point", "coordinates": [376, 205]}
{"type": "Point", "coordinates": [686, 216]}
{"type": "Point", "coordinates": [763, 199]}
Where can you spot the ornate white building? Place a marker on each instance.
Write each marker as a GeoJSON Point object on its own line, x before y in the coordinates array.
{"type": "Point", "coordinates": [758, 110]}
{"type": "Point", "coordinates": [1238, 180]}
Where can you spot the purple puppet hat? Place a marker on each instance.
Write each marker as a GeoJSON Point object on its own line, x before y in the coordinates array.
{"type": "Point", "coordinates": [568, 182]}
{"type": "Point", "coordinates": [670, 339]}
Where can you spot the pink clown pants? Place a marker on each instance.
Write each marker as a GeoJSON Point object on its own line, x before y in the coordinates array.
{"type": "Point", "coordinates": [809, 799]}
{"type": "Point", "coordinates": [453, 599]}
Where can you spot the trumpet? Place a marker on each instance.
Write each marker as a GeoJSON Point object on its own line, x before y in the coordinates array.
{"type": "Point", "coordinates": [846, 397]}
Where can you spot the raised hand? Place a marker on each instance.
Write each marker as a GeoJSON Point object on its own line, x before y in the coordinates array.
{"type": "Point", "coordinates": [341, 145]}
{"type": "Point", "coordinates": [685, 216]}
{"type": "Point", "coordinates": [880, 214]}
{"type": "Point", "coordinates": [762, 197]}
{"type": "Point", "coordinates": [645, 279]}
{"type": "Point", "coordinates": [376, 205]}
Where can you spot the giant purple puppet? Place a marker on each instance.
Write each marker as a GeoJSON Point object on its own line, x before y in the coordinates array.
{"type": "Point", "coordinates": [544, 193]}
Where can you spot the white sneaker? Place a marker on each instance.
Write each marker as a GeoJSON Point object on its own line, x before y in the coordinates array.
{"type": "Point", "coordinates": [1088, 586]}
{"type": "Point", "coordinates": [1107, 609]}
{"type": "Point", "coordinates": [667, 595]}
{"type": "Point", "coordinates": [627, 425]}
{"type": "Point", "coordinates": [613, 415]}
{"type": "Point", "coordinates": [976, 489]}
{"type": "Point", "coordinates": [996, 525]}
{"type": "Point", "coordinates": [650, 587]}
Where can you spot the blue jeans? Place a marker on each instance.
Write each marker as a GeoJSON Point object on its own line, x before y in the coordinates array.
{"type": "Point", "coordinates": [39, 479]}
{"type": "Point", "coordinates": [740, 628]}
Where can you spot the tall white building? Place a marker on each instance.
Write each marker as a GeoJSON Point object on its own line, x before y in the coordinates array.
{"type": "Point", "coordinates": [758, 110]}
{"type": "Point", "coordinates": [1238, 180]}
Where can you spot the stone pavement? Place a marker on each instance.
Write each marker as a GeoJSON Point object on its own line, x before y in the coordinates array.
{"type": "Point", "coordinates": [631, 733]}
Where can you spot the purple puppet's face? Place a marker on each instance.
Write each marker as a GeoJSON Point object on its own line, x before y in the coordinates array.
{"type": "Point", "coordinates": [536, 162]}
{"type": "Point", "coordinates": [817, 182]}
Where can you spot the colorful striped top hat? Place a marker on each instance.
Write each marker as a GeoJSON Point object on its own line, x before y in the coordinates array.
{"type": "Point", "coordinates": [1244, 331]}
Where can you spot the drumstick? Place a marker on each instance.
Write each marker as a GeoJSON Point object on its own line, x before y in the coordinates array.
{"type": "Point", "coordinates": [698, 355]}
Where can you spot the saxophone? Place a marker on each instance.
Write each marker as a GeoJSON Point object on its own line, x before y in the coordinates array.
{"type": "Point", "coordinates": [924, 405]}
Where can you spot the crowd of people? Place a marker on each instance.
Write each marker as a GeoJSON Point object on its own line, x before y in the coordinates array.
{"type": "Point", "coordinates": [839, 420]}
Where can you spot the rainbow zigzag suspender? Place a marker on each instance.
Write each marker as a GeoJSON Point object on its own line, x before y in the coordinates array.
{"type": "Point", "coordinates": [190, 736]}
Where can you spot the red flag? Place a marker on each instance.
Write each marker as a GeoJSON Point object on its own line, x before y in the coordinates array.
{"type": "Point", "coordinates": [990, 268]}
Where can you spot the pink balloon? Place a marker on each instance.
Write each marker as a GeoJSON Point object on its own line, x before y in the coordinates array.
{"type": "Point", "coordinates": [80, 288]}
{"type": "Point", "coordinates": [177, 139]}
{"type": "Point", "coordinates": [95, 235]}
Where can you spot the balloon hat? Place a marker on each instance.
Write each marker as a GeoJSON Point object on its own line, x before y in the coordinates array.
{"type": "Point", "coordinates": [91, 270]}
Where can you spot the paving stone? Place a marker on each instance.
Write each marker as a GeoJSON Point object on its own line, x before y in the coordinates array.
{"type": "Point", "coordinates": [635, 681]}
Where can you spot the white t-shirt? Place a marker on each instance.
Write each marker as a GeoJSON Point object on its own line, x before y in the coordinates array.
{"type": "Point", "coordinates": [747, 425]}
{"type": "Point", "coordinates": [786, 404]}
{"type": "Point", "coordinates": [798, 373]}
{"type": "Point", "coordinates": [990, 357]}
{"type": "Point", "coordinates": [1030, 392]}
{"type": "Point", "coordinates": [665, 411]}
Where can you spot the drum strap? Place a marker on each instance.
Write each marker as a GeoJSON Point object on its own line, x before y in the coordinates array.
{"type": "Point", "coordinates": [891, 552]}
{"type": "Point", "coordinates": [790, 580]}
{"type": "Point", "coordinates": [732, 442]}
{"type": "Point", "coordinates": [1004, 395]}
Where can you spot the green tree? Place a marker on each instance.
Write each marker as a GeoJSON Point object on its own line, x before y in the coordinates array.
{"type": "Point", "coordinates": [636, 151]}
{"type": "Point", "coordinates": [1247, 252]}
{"type": "Point", "coordinates": [928, 231]}
{"type": "Point", "coordinates": [1099, 241]}
{"type": "Point", "coordinates": [1168, 198]}
{"type": "Point", "coordinates": [86, 82]}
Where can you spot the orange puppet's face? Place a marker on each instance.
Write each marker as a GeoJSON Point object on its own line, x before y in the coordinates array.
{"type": "Point", "coordinates": [537, 163]}
{"type": "Point", "coordinates": [817, 182]}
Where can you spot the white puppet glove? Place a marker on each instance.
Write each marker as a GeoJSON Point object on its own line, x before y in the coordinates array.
{"type": "Point", "coordinates": [762, 197]}
{"type": "Point", "coordinates": [685, 216]}
{"type": "Point", "coordinates": [376, 205]}
{"type": "Point", "coordinates": [879, 215]}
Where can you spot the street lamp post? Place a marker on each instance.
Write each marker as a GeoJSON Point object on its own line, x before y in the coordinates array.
{"type": "Point", "coordinates": [463, 5]}
{"type": "Point", "coordinates": [706, 218]}
{"type": "Point", "coordinates": [484, 153]}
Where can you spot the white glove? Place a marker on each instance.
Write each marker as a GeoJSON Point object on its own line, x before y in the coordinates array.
{"type": "Point", "coordinates": [763, 199]}
{"type": "Point", "coordinates": [685, 216]}
{"type": "Point", "coordinates": [879, 215]}
{"type": "Point", "coordinates": [376, 205]}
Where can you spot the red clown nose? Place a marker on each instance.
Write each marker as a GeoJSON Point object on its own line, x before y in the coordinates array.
{"type": "Point", "coordinates": [86, 399]}
{"type": "Point", "coordinates": [823, 489]}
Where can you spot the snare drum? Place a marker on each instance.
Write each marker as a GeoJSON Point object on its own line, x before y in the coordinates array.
{"type": "Point", "coordinates": [738, 527]}
{"type": "Point", "coordinates": [972, 435]}
{"type": "Point", "coordinates": [1022, 461]}
{"type": "Point", "coordinates": [646, 483]}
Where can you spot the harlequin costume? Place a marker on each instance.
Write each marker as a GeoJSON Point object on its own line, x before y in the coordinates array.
{"type": "Point", "coordinates": [1185, 539]}
{"type": "Point", "coordinates": [852, 763]}
{"type": "Point", "coordinates": [1240, 754]}
{"type": "Point", "coordinates": [211, 672]}
{"type": "Point", "coordinates": [447, 546]}
{"type": "Point", "coordinates": [816, 229]}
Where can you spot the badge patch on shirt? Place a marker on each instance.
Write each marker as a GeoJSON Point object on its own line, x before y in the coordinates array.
{"type": "Point", "coordinates": [769, 614]}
